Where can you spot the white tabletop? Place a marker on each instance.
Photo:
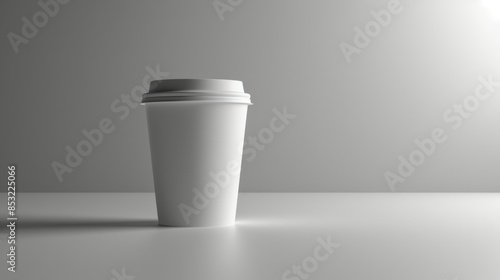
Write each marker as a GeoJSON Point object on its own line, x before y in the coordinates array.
{"type": "Point", "coordinates": [325, 236]}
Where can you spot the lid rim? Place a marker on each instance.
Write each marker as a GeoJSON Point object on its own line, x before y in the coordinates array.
{"type": "Point", "coordinates": [197, 101]}
{"type": "Point", "coordinates": [222, 90]}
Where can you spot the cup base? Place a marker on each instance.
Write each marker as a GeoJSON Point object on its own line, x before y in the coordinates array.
{"type": "Point", "coordinates": [196, 226]}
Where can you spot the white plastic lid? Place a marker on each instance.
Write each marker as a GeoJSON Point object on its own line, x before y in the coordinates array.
{"type": "Point", "coordinates": [218, 90]}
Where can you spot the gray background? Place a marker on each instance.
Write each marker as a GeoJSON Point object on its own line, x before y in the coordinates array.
{"type": "Point", "coordinates": [381, 236]}
{"type": "Point", "coordinates": [352, 121]}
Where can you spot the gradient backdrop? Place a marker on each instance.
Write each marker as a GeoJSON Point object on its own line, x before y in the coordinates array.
{"type": "Point", "coordinates": [358, 93]}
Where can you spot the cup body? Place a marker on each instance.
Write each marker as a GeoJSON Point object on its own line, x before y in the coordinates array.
{"type": "Point", "coordinates": [196, 152]}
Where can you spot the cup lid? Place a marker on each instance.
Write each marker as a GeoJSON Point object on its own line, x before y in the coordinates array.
{"type": "Point", "coordinates": [218, 90]}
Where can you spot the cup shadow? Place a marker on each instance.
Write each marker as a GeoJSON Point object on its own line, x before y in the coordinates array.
{"type": "Point", "coordinates": [51, 224]}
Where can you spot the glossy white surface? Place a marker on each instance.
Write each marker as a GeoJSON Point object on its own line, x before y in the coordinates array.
{"type": "Point", "coordinates": [381, 237]}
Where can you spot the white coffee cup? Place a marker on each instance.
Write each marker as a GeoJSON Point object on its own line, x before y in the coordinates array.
{"type": "Point", "coordinates": [196, 135]}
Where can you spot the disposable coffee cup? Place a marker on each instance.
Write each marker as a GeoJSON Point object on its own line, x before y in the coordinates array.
{"type": "Point", "coordinates": [196, 135]}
